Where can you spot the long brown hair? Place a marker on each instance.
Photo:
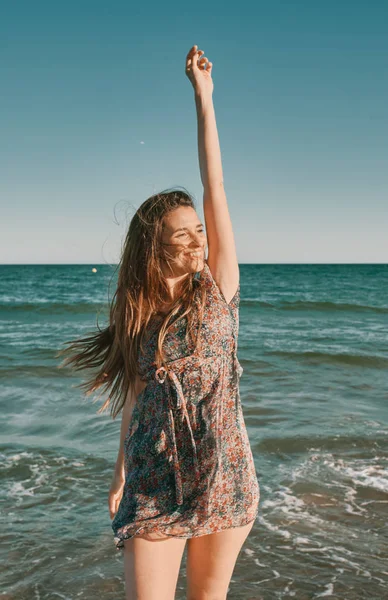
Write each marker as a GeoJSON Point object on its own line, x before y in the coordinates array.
{"type": "Point", "coordinates": [112, 353]}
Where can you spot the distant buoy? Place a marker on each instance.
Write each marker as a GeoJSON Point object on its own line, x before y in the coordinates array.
{"type": "Point", "coordinates": [94, 270]}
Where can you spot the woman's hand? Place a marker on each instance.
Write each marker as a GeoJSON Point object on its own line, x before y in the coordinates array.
{"type": "Point", "coordinates": [115, 492]}
{"type": "Point", "coordinates": [200, 77]}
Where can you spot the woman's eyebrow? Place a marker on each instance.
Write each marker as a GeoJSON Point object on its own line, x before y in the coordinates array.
{"type": "Point", "coordinates": [185, 228]}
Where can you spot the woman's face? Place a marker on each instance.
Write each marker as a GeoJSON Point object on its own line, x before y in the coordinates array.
{"type": "Point", "coordinates": [183, 242]}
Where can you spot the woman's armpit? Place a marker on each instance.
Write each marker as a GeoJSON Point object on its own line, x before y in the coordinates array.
{"type": "Point", "coordinates": [212, 284]}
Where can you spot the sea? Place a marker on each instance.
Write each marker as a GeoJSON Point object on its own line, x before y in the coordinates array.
{"type": "Point", "coordinates": [313, 343]}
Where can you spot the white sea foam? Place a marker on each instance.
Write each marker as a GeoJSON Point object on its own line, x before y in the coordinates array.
{"type": "Point", "coordinates": [365, 472]}
{"type": "Point", "coordinates": [328, 592]}
{"type": "Point", "coordinates": [17, 489]}
{"type": "Point", "coordinates": [7, 461]}
{"type": "Point", "coordinates": [362, 473]}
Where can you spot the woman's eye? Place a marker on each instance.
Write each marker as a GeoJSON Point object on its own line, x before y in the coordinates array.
{"type": "Point", "coordinates": [185, 233]}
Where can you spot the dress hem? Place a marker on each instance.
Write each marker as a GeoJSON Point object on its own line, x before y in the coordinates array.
{"type": "Point", "coordinates": [119, 539]}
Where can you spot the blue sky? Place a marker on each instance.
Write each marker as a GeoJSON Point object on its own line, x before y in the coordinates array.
{"type": "Point", "coordinates": [96, 114]}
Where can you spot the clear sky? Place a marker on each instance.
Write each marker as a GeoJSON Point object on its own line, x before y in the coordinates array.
{"type": "Point", "coordinates": [96, 114]}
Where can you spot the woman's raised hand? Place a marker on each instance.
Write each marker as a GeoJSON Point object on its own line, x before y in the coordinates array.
{"type": "Point", "coordinates": [199, 71]}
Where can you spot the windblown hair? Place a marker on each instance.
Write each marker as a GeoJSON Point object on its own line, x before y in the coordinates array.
{"type": "Point", "coordinates": [112, 353]}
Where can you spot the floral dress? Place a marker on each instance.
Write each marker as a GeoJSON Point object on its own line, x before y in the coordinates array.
{"type": "Point", "coordinates": [189, 469]}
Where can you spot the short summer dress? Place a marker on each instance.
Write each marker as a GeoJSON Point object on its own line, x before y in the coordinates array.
{"type": "Point", "coordinates": [189, 469]}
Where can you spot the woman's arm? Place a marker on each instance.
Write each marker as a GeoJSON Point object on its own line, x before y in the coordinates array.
{"type": "Point", "coordinates": [222, 257]}
{"type": "Point", "coordinates": [118, 479]}
{"type": "Point", "coordinates": [125, 420]}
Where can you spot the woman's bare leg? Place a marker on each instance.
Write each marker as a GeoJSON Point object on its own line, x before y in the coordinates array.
{"type": "Point", "coordinates": [211, 560]}
{"type": "Point", "coordinates": [151, 566]}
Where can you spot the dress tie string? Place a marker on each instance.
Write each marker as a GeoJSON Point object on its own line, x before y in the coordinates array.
{"type": "Point", "coordinates": [169, 377]}
{"type": "Point", "coordinates": [161, 374]}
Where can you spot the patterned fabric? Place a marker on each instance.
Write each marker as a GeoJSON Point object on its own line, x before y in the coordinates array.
{"type": "Point", "coordinates": [189, 468]}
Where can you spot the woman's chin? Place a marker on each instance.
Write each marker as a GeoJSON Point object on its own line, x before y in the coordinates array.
{"type": "Point", "coordinates": [197, 264]}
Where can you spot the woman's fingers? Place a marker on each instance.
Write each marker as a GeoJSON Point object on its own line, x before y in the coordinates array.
{"type": "Point", "coordinates": [114, 503]}
{"type": "Point", "coordinates": [198, 69]}
{"type": "Point", "coordinates": [190, 54]}
{"type": "Point", "coordinates": [194, 60]}
{"type": "Point", "coordinates": [200, 58]}
{"type": "Point", "coordinates": [202, 62]}
{"type": "Point", "coordinates": [193, 57]}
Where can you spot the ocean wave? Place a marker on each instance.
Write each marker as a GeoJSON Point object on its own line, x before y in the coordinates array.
{"type": "Point", "coordinates": [311, 305]}
{"type": "Point", "coordinates": [93, 307]}
{"type": "Point", "coordinates": [39, 371]}
{"type": "Point", "coordinates": [55, 307]}
{"type": "Point", "coordinates": [357, 360]}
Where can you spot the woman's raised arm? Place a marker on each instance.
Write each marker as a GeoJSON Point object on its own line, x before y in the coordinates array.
{"type": "Point", "coordinates": [222, 257]}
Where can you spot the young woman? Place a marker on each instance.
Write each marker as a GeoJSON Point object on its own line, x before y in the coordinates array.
{"type": "Point", "coordinates": [184, 471]}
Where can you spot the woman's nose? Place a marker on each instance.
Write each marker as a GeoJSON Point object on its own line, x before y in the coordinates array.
{"type": "Point", "coordinates": [197, 240]}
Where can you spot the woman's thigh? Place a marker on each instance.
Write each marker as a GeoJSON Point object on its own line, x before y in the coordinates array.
{"type": "Point", "coordinates": [151, 566]}
{"type": "Point", "coordinates": [211, 560]}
